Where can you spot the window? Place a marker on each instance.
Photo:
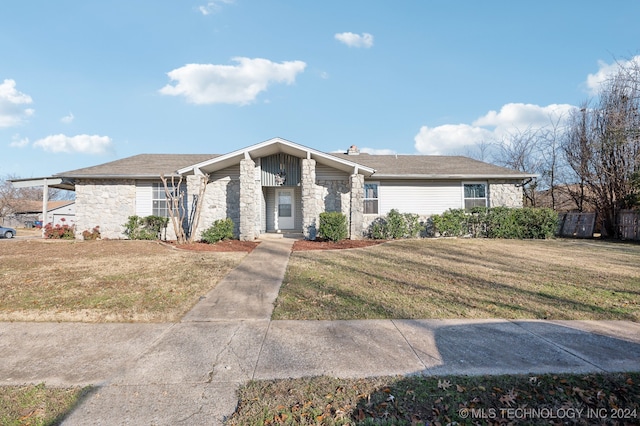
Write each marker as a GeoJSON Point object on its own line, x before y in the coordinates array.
{"type": "Point", "coordinates": [159, 205]}
{"type": "Point", "coordinates": [475, 195]}
{"type": "Point", "coordinates": [371, 198]}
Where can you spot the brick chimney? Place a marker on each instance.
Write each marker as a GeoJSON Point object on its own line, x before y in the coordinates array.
{"type": "Point", "coordinates": [353, 150]}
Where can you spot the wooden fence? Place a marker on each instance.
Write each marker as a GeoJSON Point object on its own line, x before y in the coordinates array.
{"type": "Point", "coordinates": [577, 225]}
{"type": "Point", "coordinates": [629, 224]}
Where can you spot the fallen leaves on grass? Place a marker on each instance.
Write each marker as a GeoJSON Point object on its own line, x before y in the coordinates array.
{"type": "Point", "coordinates": [451, 400]}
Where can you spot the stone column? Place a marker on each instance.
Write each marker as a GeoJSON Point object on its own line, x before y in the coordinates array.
{"type": "Point", "coordinates": [248, 200]}
{"type": "Point", "coordinates": [357, 206]}
{"type": "Point", "coordinates": [309, 205]}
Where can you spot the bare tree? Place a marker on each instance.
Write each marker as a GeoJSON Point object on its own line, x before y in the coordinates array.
{"type": "Point", "coordinates": [602, 147]}
{"type": "Point", "coordinates": [552, 164]}
{"type": "Point", "coordinates": [519, 150]}
{"type": "Point", "coordinates": [184, 224]}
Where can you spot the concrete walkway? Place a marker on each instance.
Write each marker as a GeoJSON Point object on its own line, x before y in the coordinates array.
{"type": "Point", "coordinates": [187, 373]}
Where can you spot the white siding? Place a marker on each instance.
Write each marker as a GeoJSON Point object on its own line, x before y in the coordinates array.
{"type": "Point", "coordinates": [420, 197]}
{"type": "Point", "coordinates": [144, 204]}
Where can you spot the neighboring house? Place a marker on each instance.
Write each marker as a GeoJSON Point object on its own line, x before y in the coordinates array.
{"type": "Point", "coordinates": [58, 212]}
{"type": "Point", "coordinates": [278, 185]}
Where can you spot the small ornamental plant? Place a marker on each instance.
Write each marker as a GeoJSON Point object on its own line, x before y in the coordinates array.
{"type": "Point", "coordinates": [60, 232]}
{"type": "Point", "coordinates": [92, 235]}
{"type": "Point", "coordinates": [333, 226]}
{"type": "Point", "coordinates": [221, 229]}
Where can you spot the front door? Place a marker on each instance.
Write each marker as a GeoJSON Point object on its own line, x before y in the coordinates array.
{"type": "Point", "coordinates": [284, 209]}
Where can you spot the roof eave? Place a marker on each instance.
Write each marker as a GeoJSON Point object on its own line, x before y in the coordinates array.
{"type": "Point", "coordinates": [265, 148]}
{"type": "Point", "coordinates": [451, 176]}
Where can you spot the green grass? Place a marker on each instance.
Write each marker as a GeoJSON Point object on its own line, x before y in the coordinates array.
{"type": "Point", "coordinates": [37, 405]}
{"type": "Point", "coordinates": [465, 278]}
{"type": "Point", "coordinates": [578, 399]}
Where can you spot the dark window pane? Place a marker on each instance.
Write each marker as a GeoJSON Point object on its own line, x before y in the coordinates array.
{"type": "Point", "coordinates": [471, 203]}
{"type": "Point", "coordinates": [370, 206]}
{"type": "Point", "coordinates": [370, 190]}
{"type": "Point", "coordinates": [284, 210]}
{"type": "Point", "coordinates": [474, 190]}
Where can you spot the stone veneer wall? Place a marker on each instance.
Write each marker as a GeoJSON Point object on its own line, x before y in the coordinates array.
{"type": "Point", "coordinates": [504, 193]}
{"type": "Point", "coordinates": [310, 212]}
{"type": "Point", "coordinates": [221, 200]}
{"type": "Point", "coordinates": [357, 206]}
{"type": "Point", "coordinates": [104, 203]}
{"type": "Point", "coordinates": [248, 201]}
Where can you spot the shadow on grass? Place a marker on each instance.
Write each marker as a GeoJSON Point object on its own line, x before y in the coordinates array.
{"type": "Point", "coordinates": [452, 292]}
{"type": "Point", "coordinates": [492, 367]}
{"type": "Point", "coordinates": [85, 394]}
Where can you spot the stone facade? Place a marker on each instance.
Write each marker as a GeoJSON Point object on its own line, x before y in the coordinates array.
{"type": "Point", "coordinates": [504, 193]}
{"type": "Point", "coordinates": [104, 203]}
{"type": "Point", "coordinates": [248, 201]}
{"type": "Point", "coordinates": [357, 206]}
{"type": "Point", "coordinates": [310, 212]}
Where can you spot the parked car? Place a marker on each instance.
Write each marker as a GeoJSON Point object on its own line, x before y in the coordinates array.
{"type": "Point", "coordinates": [7, 232]}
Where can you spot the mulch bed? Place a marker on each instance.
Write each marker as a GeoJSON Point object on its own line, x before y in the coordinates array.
{"type": "Point", "coordinates": [220, 246]}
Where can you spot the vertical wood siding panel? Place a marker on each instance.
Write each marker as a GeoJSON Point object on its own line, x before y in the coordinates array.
{"type": "Point", "coordinates": [270, 195]}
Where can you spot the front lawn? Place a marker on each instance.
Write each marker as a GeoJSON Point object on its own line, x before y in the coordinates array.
{"type": "Point", "coordinates": [99, 281]}
{"type": "Point", "coordinates": [611, 399]}
{"type": "Point", "coordinates": [465, 278]}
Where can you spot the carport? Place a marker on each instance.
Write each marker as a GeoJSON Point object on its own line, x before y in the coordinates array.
{"type": "Point", "coordinates": [45, 183]}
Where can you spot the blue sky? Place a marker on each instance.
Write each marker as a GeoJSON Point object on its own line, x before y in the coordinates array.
{"type": "Point", "coordinates": [85, 82]}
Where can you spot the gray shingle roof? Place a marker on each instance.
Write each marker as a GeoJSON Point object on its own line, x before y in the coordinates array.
{"type": "Point", "coordinates": [140, 166]}
{"type": "Point", "coordinates": [386, 166]}
{"type": "Point", "coordinates": [430, 166]}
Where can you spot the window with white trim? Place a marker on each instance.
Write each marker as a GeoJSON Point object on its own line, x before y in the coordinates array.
{"type": "Point", "coordinates": [371, 197]}
{"type": "Point", "coordinates": [475, 195]}
{"type": "Point", "coordinates": [159, 205]}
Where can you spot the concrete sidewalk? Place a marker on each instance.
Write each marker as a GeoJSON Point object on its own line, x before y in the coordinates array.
{"type": "Point", "coordinates": [187, 373]}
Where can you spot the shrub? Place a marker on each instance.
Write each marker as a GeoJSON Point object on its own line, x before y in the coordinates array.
{"type": "Point", "coordinates": [452, 223]}
{"type": "Point", "coordinates": [92, 235]}
{"type": "Point", "coordinates": [145, 228]}
{"type": "Point", "coordinates": [221, 229]}
{"type": "Point", "coordinates": [60, 232]}
{"type": "Point", "coordinates": [497, 222]}
{"type": "Point", "coordinates": [333, 226]}
{"type": "Point", "coordinates": [395, 225]}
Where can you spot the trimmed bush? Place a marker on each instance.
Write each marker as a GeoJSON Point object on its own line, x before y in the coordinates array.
{"type": "Point", "coordinates": [333, 226]}
{"type": "Point", "coordinates": [395, 225]}
{"type": "Point", "coordinates": [145, 228]}
{"type": "Point", "coordinates": [221, 229]}
{"type": "Point", "coordinates": [498, 222]}
{"type": "Point", "coordinates": [452, 223]}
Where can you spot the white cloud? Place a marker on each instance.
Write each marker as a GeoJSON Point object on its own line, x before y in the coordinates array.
{"type": "Point", "coordinates": [213, 6]}
{"type": "Point", "coordinates": [493, 126]}
{"type": "Point", "coordinates": [355, 40]}
{"type": "Point", "coordinates": [18, 142]}
{"type": "Point", "coordinates": [448, 138]}
{"type": "Point", "coordinates": [83, 144]}
{"type": "Point", "coordinates": [12, 110]}
{"type": "Point", "coordinates": [230, 84]}
{"type": "Point", "coordinates": [606, 71]}
{"type": "Point", "coordinates": [523, 116]}
{"type": "Point", "coordinates": [67, 118]}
